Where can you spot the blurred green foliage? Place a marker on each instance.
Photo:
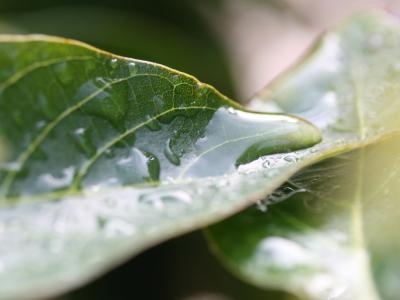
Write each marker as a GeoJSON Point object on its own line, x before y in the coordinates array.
{"type": "Point", "coordinates": [173, 33]}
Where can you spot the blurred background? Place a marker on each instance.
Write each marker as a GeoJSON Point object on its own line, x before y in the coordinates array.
{"type": "Point", "coordinates": [236, 45]}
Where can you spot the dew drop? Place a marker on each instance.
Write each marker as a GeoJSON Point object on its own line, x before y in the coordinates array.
{"type": "Point", "coordinates": [152, 123]}
{"type": "Point", "coordinates": [10, 167]}
{"type": "Point", "coordinates": [201, 91]}
{"type": "Point", "coordinates": [266, 164]}
{"type": "Point", "coordinates": [171, 155]}
{"type": "Point", "coordinates": [160, 199]}
{"type": "Point", "coordinates": [100, 81]}
{"type": "Point", "coordinates": [291, 158]}
{"type": "Point", "coordinates": [115, 227]}
{"type": "Point", "coordinates": [262, 206]}
{"type": "Point", "coordinates": [114, 63]}
{"type": "Point", "coordinates": [40, 124]}
{"type": "Point", "coordinates": [83, 140]}
{"type": "Point", "coordinates": [109, 153]}
{"type": "Point", "coordinates": [137, 166]}
{"type": "Point", "coordinates": [153, 166]}
{"type": "Point", "coordinates": [282, 194]}
{"type": "Point", "coordinates": [232, 111]}
{"type": "Point", "coordinates": [57, 181]}
{"type": "Point", "coordinates": [132, 68]}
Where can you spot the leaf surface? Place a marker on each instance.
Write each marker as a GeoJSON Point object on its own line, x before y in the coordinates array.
{"type": "Point", "coordinates": [335, 235]}
{"type": "Point", "coordinates": [109, 156]}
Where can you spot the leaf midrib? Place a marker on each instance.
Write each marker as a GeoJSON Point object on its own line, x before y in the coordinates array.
{"type": "Point", "coordinates": [23, 157]}
{"type": "Point", "coordinates": [357, 220]}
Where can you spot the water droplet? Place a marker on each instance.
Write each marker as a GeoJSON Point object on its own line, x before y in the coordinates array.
{"type": "Point", "coordinates": [283, 193]}
{"type": "Point", "coordinates": [137, 166]}
{"type": "Point", "coordinates": [239, 137]}
{"type": "Point", "coordinates": [160, 199]}
{"type": "Point", "coordinates": [152, 123]}
{"type": "Point", "coordinates": [291, 158]}
{"type": "Point", "coordinates": [201, 91]}
{"type": "Point", "coordinates": [109, 153]}
{"type": "Point", "coordinates": [232, 111]}
{"type": "Point", "coordinates": [171, 155]}
{"type": "Point", "coordinates": [266, 164]}
{"type": "Point", "coordinates": [57, 181]}
{"type": "Point", "coordinates": [40, 124]}
{"type": "Point", "coordinates": [100, 81]}
{"type": "Point", "coordinates": [82, 139]}
{"type": "Point", "coordinates": [153, 166]}
{"type": "Point", "coordinates": [110, 106]}
{"type": "Point", "coordinates": [114, 63]}
{"type": "Point", "coordinates": [110, 202]}
{"type": "Point", "coordinates": [132, 68]}
{"type": "Point", "coordinates": [262, 206]}
{"type": "Point", "coordinates": [115, 226]}
{"type": "Point", "coordinates": [10, 166]}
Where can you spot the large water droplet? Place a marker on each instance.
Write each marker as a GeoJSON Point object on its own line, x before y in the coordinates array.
{"type": "Point", "coordinates": [113, 227]}
{"type": "Point", "coordinates": [138, 166]}
{"type": "Point", "coordinates": [132, 68]}
{"type": "Point", "coordinates": [152, 123]}
{"type": "Point", "coordinates": [58, 181]}
{"type": "Point", "coordinates": [160, 199]}
{"type": "Point", "coordinates": [234, 137]}
{"type": "Point", "coordinates": [170, 154]}
{"type": "Point", "coordinates": [153, 166]}
{"type": "Point", "coordinates": [291, 158]}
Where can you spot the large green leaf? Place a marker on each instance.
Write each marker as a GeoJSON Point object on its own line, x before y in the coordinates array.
{"type": "Point", "coordinates": [111, 155]}
{"type": "Point", "coordinates": [335, 238]}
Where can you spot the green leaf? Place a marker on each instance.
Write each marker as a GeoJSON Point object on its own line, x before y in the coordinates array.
{"type": "Point", "coordinates": [110, 156]}
{"type": "Point", "coordinates": [335, 236]}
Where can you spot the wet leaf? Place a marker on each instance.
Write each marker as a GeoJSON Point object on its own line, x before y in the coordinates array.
{"type": "Point", "coordinates": [335, 235]}
{"type": "Point", "coordinates": [109, 156]}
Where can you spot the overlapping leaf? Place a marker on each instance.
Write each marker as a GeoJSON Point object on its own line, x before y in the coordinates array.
{"type": "Point", "coordinates": [335, 238]}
